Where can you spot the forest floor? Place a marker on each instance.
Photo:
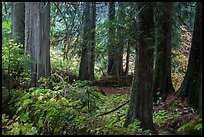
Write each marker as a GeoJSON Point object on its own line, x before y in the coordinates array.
{"type": "Point", "coordinates": [180, 111]}
{"type": "Point", "coordinates": [187, 114]}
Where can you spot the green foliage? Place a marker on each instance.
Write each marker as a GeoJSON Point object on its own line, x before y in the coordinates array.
{"type": "Point", "coordinates": [182, 128]}
{"type": "Point", "coordinates": [59, 62]}
{"type": "Point", "coordinates": [42, 111]}
{"type": "Point", "coordinates": [164, 133]}
{"type": "Point", "coordinates": [45, 111]}
{"type": "Point", "coordinates": [6, 11]}
{"type": "Point", "coordinates": [162, 116]}
{"type": "Point", "coordinates": [197, 125]}
{"type": "Point", "coordinates": [14, 59]}
{"type": "Point", "coordinates": [6, 31]}
{"type": "Point", "coordinates": [135, 125]}
{"type": "Point", "coordinates": [11, 127]}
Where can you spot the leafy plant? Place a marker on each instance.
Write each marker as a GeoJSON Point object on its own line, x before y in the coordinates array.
{"type": "Point", "coordinates": [182, 128]}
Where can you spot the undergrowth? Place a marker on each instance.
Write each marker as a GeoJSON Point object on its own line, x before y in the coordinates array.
{"type": "Point", "coordinates": [44, 111]}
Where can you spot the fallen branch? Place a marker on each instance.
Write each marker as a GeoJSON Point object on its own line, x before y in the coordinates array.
{"type": "Point", "coordinates": [113, 109]}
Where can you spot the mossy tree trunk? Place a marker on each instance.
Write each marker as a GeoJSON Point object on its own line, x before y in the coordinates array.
{"type": "Point", "coordinates": [111, 37]}
{"type": "Point", "coordinates": [86, 70]}
{"type": "Point", "coordinates": [141, 100]}
{"type": "Point", "coordinates": [162, 80]}
{"type": "Point", "coordinates": [120, 40]}
{"type": "Point", "coordinates": [115, 42]}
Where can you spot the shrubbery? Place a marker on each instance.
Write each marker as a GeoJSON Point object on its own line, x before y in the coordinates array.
{"type": "Point", "coordinates": [45, 111]}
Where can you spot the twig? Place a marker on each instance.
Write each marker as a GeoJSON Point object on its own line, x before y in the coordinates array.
{"type": "Point", "coordinates": [65, 91]}
{"type": "Point", "coordinates": [113, 109]}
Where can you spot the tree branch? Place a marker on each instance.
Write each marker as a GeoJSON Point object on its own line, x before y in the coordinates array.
{"type": "Point", "coordinates": [62, 15]}
{"type": "Point", "coordinates": [105, 113]}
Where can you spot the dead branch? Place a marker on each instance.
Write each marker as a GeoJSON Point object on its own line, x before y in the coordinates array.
{"type": "Point", "coordinates": [105, 113]}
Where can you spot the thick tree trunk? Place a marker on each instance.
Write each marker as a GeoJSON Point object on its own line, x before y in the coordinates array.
{"type": "Point", "coordinates": [115, 49]}
{"type": "Point", "coordinates": [86, 70]}
{"type": "Point", "coordinates": [18, 28]}
{"type": "Point", "coordinates": [190, 86]}
{"type": "Point", "coordinates": [18, 24]}
{"type": "Point", "coordinates": [141, 100]}
{"type": "Point", "coordinates": [162, 80]}
{"type": "Point", "coordinates": [37, 38]}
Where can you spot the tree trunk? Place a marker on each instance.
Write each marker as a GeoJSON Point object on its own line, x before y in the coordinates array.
{"type": "Point", "coordinates": [162, 80]}
{"type": "Point", "coordinates": [37, 38]}
{"type": "Point", "coordinates": [93, 20]}
{"type": "Point", "coordinates": [127, 60]}
{"type": "Point", "coordinates": [121, 40]}
{"type": "Point", "coordinates": [115, 49]}
{"type": "Point", "coordinates": [200, 97]}
{"type": "Point", "coordinates": [18, 25]}
{"type": "Point", "coordinates": [191, 85]}
{"type": "Point", "coordinates": [111, 33]}
{"type": "Point", "coordinates": [86, 70]}
{"type": "Point", "coordinates": [141, 101]}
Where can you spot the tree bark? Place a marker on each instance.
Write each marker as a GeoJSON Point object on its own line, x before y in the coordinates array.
{"type": "Point", "coordinates": [18, 24]}
{"type": "Point", "coordinates": [141, 101]}
{"type": "Point", "coordinates": [111, 32]}
{"type": "Point", "coordinates": [120, 48]}
{"type": "Point", "coordinates": [116, 44]}
{"type": "Point", "coordinates": [162, 80]}
{"type": "Point", "coordinates": [191, 85]}
{"type": "Point", "coordinates": [200, 97]}
{"type": "Point", "coordinates": [93, 20]}
{"type": "Point", "coordinates": [86, 70]}
{"type": "Point", "coordinates": [37, 39]}
{"type": "Point", "coordinates": [127, 59]}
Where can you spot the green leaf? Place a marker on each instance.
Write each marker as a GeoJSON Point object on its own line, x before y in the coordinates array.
{"type": "Point", "coordinates": [26, 102]}
{"type": "Point", "coordinates": [24, 117]}
{"type": "Point", "coordinates": [19, 109]}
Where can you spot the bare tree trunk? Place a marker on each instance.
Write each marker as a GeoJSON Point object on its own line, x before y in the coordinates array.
{"type": "Point", "coordinates": [86, 70]}
{"type": "Point", "coordinates": [141, 101]}
{"type": "Point", "coordinates": [37, 38]}
{"type": "Point", "coordinates": [18, 25]}
{"type": "Point", "coordinates": [190, 86]}
{"type": "Point", "coordinates": [162, 81]}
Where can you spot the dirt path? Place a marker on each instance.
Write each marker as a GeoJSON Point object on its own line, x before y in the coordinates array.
{"type": "Point", "coordinates": [108, 90]}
